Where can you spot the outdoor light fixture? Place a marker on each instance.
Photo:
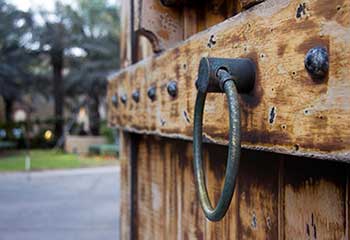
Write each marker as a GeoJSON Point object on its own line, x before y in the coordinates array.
{"type": "Point", "coordinates": [48, 135]}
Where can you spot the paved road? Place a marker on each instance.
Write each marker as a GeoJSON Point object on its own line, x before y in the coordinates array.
{"type": "Point", "coordinates": [63, 205]}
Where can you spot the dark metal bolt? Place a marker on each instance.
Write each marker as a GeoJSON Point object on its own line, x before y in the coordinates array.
{"type": "Point", "coordinates": [316, 62]}
{"type": "Point", "coordinates": [123, 98]}
{"type": "Point", "coordinates": [115, 100]}
{"type": "Point", "coordinates": [172, 88]}
{"type": "Point", "coordinates": [152, 93]}
{"type": "Point", "coordinates": [136, 96]}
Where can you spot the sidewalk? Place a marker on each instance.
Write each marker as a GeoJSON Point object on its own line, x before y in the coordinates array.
{"type": "Point", "coordinates": [62, 204]}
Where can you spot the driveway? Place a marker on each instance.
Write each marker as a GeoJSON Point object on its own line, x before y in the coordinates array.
{"type": "Point", "coordinates": [71, 205]}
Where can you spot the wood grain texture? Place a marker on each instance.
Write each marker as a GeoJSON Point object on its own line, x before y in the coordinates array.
{"type": "Point", "coordinates": [215, 165]}
{"type": "Point", "coordinates": [125, 34]}
{"type": "Point", "coordinates": [167, 207]}
{"type": "Point", "coordinates": [163, 26]}
{"type": "Point", "coordinates": [309, 118]}
{"type": "Point", "coordinates": [258, 196]}
{"type": "Point", "coordinates": [125, 187]}
{"type": "Point", "coordinates": [310, 202]}
{"type": "Point", "coordinates": [315, 200]}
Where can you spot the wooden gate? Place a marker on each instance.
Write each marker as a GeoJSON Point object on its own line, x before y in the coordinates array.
{"type": "Point", "coordinates": [293, 179]}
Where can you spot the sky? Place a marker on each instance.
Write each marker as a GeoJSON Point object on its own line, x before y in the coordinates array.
{"type": "Point", "coordinates": [42, 4]}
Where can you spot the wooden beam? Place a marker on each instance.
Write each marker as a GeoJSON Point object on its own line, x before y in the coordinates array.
{"type": "Point", "coordinates": [162, 26]}
{"type": "Point", "coordinates": [287, 112]}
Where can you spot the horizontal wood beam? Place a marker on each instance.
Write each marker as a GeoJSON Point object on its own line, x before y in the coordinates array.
{"type": "Point", "coordinates": [287, 112]}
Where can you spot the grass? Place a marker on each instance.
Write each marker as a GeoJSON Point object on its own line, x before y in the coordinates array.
{"type": "Point", "coordinates": [49, 159]}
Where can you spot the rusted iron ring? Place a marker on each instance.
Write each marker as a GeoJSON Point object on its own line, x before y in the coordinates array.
{"type": "Point", "coordinates": [234, 148]}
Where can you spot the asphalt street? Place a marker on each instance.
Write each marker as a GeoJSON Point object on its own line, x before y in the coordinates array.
{"type": "Point", "coordinates": [71, 205]}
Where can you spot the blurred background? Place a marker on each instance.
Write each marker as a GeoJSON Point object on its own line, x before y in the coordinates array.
{"type": "Point", "coordinates": [55, 60]}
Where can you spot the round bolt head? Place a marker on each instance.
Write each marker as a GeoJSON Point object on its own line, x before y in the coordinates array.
{"type": "Point", "coordinates": [124, 99]}
{"type": "Point", "coordinates": [136, 96]}
{"type": "Point", "coordinates": [114, 100]}
{"type": "Point", "coordinates": [152, 93]}
{"type": "Point", "coordinates": [316, 62]}
{"type": "Point", "coordinates": [172, 88]}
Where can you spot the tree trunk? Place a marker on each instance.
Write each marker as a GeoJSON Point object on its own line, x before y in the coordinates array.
{"type": "Point", "coordinates": [8, 109]}
{"type": "Point", "coordinates": [94, 115]}
{"type": "Point", "coordinates": [57, 65]}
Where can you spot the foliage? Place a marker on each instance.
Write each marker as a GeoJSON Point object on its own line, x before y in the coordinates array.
{"type": "Point", "coordinates": [96, 33]}
{"type": "Point", "coordinates": [104, 150]}
{"type": "Point", "coordinates": [97, 36]}
{"type": "Point", "coordinates": [67, 54]}
{"type": "Point", "coordinates": [49, 159]}
{"type": "Point", "coordinates": [88, 37]}
{"type": "Point", "coordinates": [16, 60]}
{"type": "Point", "coordinates": [108, 133]}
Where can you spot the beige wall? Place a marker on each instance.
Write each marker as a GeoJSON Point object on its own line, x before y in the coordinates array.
{"type": "Point", "coordinates": [81, 144]}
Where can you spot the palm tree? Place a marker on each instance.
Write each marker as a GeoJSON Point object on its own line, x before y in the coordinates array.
{"type": "Point", "coordinates": [96, 33]}
{"type": "Point", "coordinates": [54, 38]}
{"type": "Point", "coordinates": [15, 58]}
{"type": "Point", "coordinates": [80, 45]}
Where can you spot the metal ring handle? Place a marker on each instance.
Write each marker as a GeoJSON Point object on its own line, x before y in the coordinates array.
{"type": "Point", "coordinates": [234, 148]}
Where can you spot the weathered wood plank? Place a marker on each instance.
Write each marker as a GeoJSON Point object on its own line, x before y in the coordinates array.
{"type": "Point", "coordinates": [170, 162]}
{"type": "Point", "coordinates": [163, 26]}
{"type": "Point", "coordinates": [125, 187]}
{"type": "Point", "coordinates": [287, 111]}
{"type": "Point", "coordinates": [192, 221]}
{"type": "Point", "coordinates": [145, 212]}
{"type": "Point", "coordinates": [167, 206]}
{"type": "Point", "coordinates": [299, 199]}
{"type": "Point", "coordinates": [125, 34]}
{"type": "Point", "coordinates": [215, 164]}
{"type": "Point", "coordinates": [258, 196]}
{"type": "Point", "coordinates": [315, 200]}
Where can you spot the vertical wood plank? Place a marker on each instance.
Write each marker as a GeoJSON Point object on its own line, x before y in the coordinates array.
{"type": "Point", "coordinates": [347, 206]}
{"type": "Point", "coordinates": [170, 191]}
{"type": "Point", "coordinates": [277, 196]}
{"type": "Point", "coordinates": [192, 219]}
{"type": "Point", "coordinates": [215, 157]}
{"type": "Point", "coordinates": [125, 193]}
{"type": "Point", "coordinates": [315, 199]}
{"type": "Point", "coordinates": [167, 206]}
{"type": "Point", "coordinates": [158, 190]}
{"type": "Point", "coordinates": [144, 190]}
{"type": "Point", "coordinates": [190, 21]}
{"type": "Point", "coordinates": [125, 35]}
{"type": "Point", "coordinates": [281, 199]}
{"type": "Point", "coordinates": [258, 196]}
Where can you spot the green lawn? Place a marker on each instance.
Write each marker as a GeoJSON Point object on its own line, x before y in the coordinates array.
{"type": "Point", "coordinates": [49, 159]}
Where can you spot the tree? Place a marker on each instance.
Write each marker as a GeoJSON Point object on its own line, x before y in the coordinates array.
{"type": "Point", "coordinates": [96, 32]}
{"type": "Point", "coordinates": [79, 44]}
{"type": "Point", "coordinates": [83, 42]}
{"type": "Point", "coordinates": [54, 38]}
{"type": "Point", "coordinates": [15, 59]}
